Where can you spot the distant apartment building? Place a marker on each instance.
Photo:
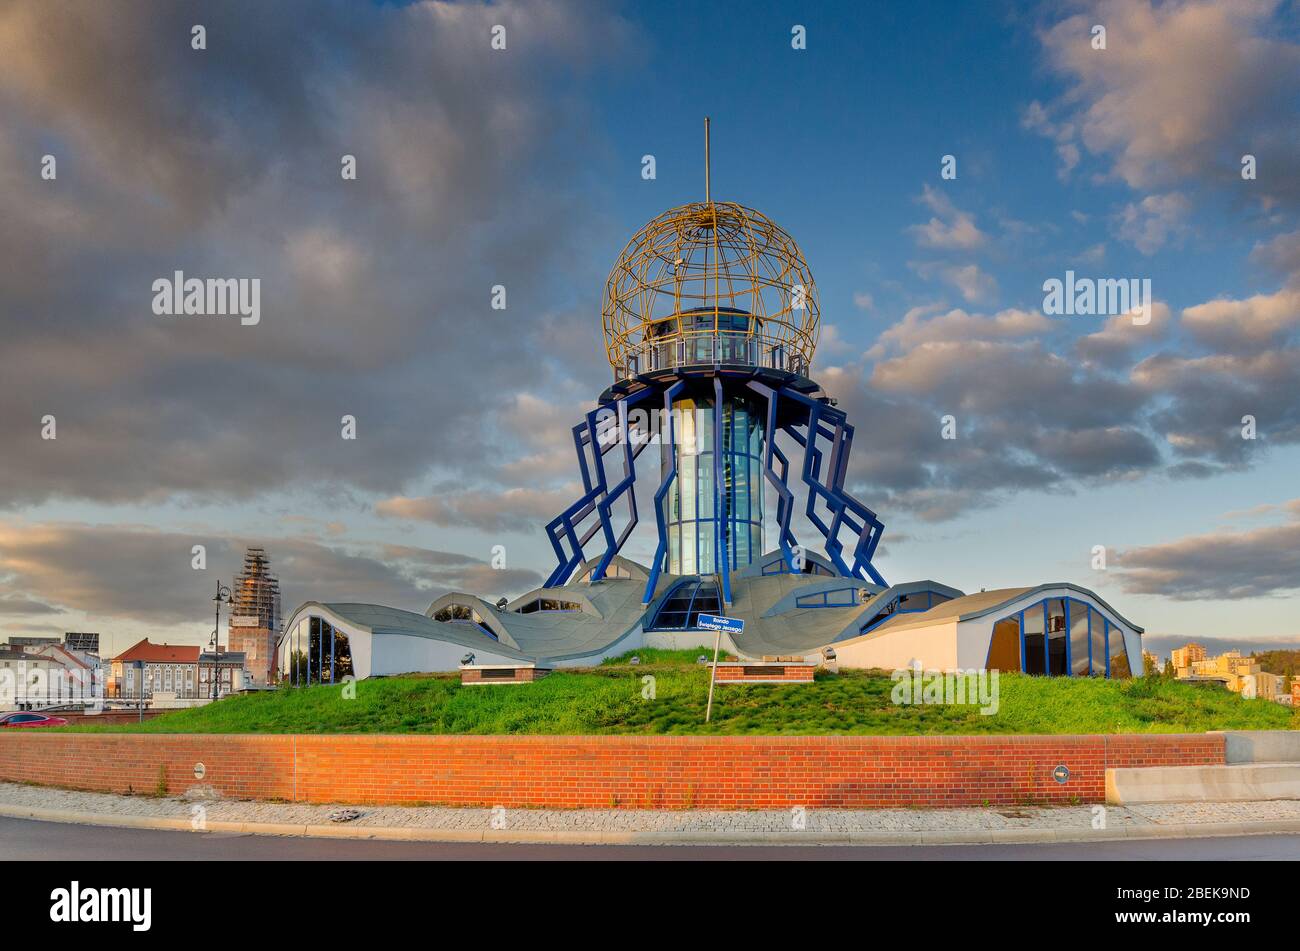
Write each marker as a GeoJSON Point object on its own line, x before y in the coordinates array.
{"type": "Point", "coordinates": [226, 668]}
{"type": "Point", "coordinates": [175, 672]}
{"type": "Point", "coordinates": [40, 672]}
{"type": "Point", "coordinates": [1239, 674]}
{"type": "Point", "coordinates": [255, 618]}
{"type": "Point", "coordinates": [1185, 656]}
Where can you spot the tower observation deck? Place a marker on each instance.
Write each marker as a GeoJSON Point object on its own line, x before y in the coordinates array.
{"type": "Point", "coordinates": [711, 316]}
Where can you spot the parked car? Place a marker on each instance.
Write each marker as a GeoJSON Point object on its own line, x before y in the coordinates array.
{"type": "Point", "coordinates": [30, 719]}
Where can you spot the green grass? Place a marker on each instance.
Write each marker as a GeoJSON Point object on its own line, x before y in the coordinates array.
{"type": "Point", "coordinates": [608, 699]}
{"type": "Point", "coordinates": [661, 656]}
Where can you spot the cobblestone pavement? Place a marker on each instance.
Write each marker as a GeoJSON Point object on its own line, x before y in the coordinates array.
{"type": "Point", "coordinates": [630, 820]}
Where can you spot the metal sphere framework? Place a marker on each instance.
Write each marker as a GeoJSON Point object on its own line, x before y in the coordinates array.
{"type": "Point", "coordinates": [710, 282]}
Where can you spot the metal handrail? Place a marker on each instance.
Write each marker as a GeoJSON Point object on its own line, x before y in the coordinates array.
{"type": "Point", "coordinates": [685, 350]}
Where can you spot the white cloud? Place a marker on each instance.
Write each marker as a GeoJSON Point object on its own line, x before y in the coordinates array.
{"type": "Point", "coordinates": [1153, 221]}
{"type": "Point", "coordinates": [1184, 88]}
{"type": "Point", "coordinates": [950, 227]}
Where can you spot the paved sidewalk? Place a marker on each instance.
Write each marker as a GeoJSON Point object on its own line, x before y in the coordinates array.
{"type": "Point", "coordinates": [883, 826]}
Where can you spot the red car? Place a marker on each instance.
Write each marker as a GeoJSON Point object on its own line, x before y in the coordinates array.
{"type": "Point", "coordinates": [30, 719]}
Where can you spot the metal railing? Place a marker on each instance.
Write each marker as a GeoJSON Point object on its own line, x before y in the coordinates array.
{"type": "Point", "coordinates": [708, 349]}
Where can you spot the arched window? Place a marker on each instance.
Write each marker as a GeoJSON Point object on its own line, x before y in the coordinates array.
{"type": "Point", "coordinates": [913, 603]}
{"type": "Point", "coordinates": [1062, 637]}
{"type": "Point", "coordinates": [837, 598]}
{"type": "Point", "coordinates": [547, 605]}
{"type": "Point", "coordinates": [464, 614]}
{"type": "Point", "coordinates": [682, 607]}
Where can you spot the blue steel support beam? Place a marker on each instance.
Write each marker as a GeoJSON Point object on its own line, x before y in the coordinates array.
{"type": "Point", "coordinates": [614, 545]}
{"type": "Point", "coordinates": [586, 436]}
{"type": "Point", "coordinates": [564, 525]}
{"type": "Point", "coordinates": [845, 509]}
{"type": "Point", "coordinates": [784, 497]}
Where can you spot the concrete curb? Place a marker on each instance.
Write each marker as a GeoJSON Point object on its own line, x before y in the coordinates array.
{"type": "Point", "coordinates": [576, 837]}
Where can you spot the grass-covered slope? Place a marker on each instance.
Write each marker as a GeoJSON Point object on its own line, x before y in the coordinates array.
{"type": "Point", "coordinates": [609, 699]}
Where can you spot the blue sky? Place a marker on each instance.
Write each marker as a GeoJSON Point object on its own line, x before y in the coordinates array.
{"type": "Point", "coordinates": [523, 167]}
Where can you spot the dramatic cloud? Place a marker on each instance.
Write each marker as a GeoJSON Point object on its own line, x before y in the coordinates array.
{"type": "Point", "coordinates": [1023, 416]}
{"type": "Point", "coordinates": [1219, 565]}
{"type": "Point", "coordinates": [1183, 89]}
{"type": "Point", "coordinates": [923, 325]}
{"type": "Point", "coordinates": [375, 292]}
{"type": "Point", "coordinates": [1260, 322]}
{"type": "Point", "coordinates": [1120, 336]}
{"type": "Point", "coordinates": [145, 575]}
{"type": "Point", "coordinates": [518, 510]}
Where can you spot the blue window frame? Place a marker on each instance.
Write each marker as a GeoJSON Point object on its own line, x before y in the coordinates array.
{"type": "Point", "coordinates": [464, 614]}
{"type": "Point", "coordinates": [837, 598]}
{"type": "Point", "coordinates": [683, 605]}
{"type": "Point", "coordinates": [1067, 637]}
{"type": "Point", "coordinates": [913, 603]}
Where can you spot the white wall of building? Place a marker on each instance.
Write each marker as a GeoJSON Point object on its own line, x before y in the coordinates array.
{"type": "Point", "coordinates": [935, 646]}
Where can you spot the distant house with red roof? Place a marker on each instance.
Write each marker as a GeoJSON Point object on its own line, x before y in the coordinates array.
{"type": "Point", "coordinates": [144, 668]}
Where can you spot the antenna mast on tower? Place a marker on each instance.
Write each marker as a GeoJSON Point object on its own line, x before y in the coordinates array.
{"type": "Point", "coordinates": [707, 193]}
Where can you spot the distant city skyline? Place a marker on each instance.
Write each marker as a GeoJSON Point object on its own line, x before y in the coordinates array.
{"type": "Point", "coordinates": [524, 169]}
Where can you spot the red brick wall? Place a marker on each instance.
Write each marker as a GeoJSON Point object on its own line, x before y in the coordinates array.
{"type": "Point", "coordinates": [602, 771]}
{"type": "Point", "coordinates": [797, 673]}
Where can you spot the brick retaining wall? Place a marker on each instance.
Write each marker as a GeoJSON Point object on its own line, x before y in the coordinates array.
{"type": "Point", "coordinates": [602, 771]}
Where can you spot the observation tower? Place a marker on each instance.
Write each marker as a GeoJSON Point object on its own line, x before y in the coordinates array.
{"type": "Point", "coordinates": [711, 316]}
{"type": "Point", "coordinates": [711, 319]}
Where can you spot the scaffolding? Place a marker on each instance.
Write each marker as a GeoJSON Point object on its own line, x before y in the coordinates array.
{"type": "Point", "coordinates": [257, 591]}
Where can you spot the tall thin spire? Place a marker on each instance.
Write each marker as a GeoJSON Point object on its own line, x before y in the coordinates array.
{"type": "Point", "coordinates": [707, 192]}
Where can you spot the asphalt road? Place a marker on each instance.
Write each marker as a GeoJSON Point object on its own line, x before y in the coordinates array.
{"type": "Point", "coordinates": [29, 840]}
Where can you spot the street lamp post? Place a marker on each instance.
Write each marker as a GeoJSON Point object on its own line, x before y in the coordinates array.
{"type": "Point", "coordinates": [223, 594]}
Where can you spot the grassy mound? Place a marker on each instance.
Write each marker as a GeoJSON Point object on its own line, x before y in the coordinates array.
{"type": "Point", "coordinates": [615, 698]}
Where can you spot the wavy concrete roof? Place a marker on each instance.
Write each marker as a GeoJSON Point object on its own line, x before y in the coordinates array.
{"type": "Point", "coordinates": [611, 610]}
{"type": "Point", "coordinates": [379, 619]}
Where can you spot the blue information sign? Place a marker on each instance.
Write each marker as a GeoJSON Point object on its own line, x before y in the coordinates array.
{"type": "Point", "coordinates": [716, 622]}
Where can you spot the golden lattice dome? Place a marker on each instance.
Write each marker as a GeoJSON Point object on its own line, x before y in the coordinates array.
{"type": "Point", "coordinates": [710, 283]}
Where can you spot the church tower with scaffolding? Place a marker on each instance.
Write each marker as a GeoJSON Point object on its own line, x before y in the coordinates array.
{"type": "Point", "coordinates": [255, 618]}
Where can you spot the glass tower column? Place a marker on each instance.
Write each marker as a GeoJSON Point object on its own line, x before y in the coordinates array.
{"type": "Point", "coordinates": [694, 504]}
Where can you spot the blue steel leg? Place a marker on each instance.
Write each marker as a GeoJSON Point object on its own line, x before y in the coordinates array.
{"type": "Point", "coordinates": [844, 509]}
{"type": "Point", "coordinates": [614, 545]}
{"type": "Point", "coordinates": [784, 497]}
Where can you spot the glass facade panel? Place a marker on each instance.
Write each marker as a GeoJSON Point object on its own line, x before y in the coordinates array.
{"type": "Point", "coordinates": [1119, 662]}
{"type": "Point", "coordinates": [1098, 643]}
{"type": "Point", "coordinates": [695, 502]}
{"type": "Point", "coordinates": [1004, 648]}
{"type": "Point", "coordinates": [1058, 634]}
{"type": "Point", "coordinates": [314, 651]}
{"type": "Point", "coordinates": [1078, 638]}
{"type": "Point", "coordinates": [682, 607]}
{"type": "Point", "coordinates": [1035, 648]}
{"type": "Point", "coordinates": [1056, 641]}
